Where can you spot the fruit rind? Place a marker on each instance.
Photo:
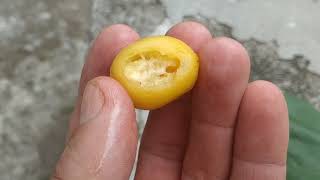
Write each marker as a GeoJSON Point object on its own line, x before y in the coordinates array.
{"type": "Point", "coordinates": [155, 96]}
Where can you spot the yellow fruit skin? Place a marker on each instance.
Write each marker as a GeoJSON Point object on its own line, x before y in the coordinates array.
{"type": "Point", "coordinates": [153, 97]}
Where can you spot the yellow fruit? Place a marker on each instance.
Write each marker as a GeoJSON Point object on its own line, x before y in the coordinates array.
{"type": "Point", "coordinates": [156, 70]}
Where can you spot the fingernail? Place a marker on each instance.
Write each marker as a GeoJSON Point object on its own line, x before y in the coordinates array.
{"type": "Point", "coordinates": [92, 103]}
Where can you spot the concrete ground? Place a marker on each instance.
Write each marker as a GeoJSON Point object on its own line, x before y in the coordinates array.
{"type": "Point", "coordinates": [43, 44]}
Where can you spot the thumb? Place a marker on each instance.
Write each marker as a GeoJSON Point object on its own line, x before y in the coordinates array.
{"type": "Point", "coordinates": [104, 144]}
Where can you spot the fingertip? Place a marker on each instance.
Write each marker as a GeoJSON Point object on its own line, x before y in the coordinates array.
{"type": "Point", "coordinates": [110, 40]}
{"type": "Point", "coordinates": [263, 124]}
{"type": "Point", "coordinates": [104, 49]}
{"type": "Point", "coordinates": [117, 100]}
{"type": "Point", "coordinates": [225, 61]}
{"type": "Point", "coordinates": [192, 33]}
{"type": "Point", "coordinates": [226, 49]}
{"type": "Point", "coordinates": [118, 35]}
{"type": "Point", "coordinates": [106, 137]}
{"type": "Point", "coordinates": [113, 91]}
{"type": "Point", "coordinates": [265, 91]}
{"type": "Point", "coordinates": [267, 97]}
{"type": "Point", "coordinates": [233, 46]}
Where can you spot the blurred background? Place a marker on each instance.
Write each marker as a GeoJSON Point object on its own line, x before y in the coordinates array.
{"type": "Point", "coordinates": [43, 44]}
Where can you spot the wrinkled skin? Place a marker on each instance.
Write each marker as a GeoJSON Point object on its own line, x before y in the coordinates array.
{"type": "Point", "coordinates": [225, 129]}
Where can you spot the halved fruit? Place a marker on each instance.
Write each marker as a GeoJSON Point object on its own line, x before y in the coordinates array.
{"type": "Point", "coordinates": [156, 70]}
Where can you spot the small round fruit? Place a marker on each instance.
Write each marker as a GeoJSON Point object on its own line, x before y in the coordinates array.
{"type": "Point", "coordinates": [156, 70]}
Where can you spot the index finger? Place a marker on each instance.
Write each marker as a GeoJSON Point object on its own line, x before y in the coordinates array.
{"type": "Point", "coordinates": [104, 49]}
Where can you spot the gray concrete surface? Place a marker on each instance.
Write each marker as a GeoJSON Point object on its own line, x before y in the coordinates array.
{"type": "Point", "coordinates": [43, 43]}
{"type": "Point", "coordinates": [292, 23]}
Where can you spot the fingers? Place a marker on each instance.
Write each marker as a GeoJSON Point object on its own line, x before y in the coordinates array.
{"type": "Point", "coordinates": [103, 51]}
{"type": "Point", "coordinates": [223, 78]}
{"type": "Point", "coordinates": [261, 135]}
{"type": "Point", "coordinates": [192, 33]}
{"type": "Point", "coordinates": [165, 135]}
{"type": "Point", "coordinates": [105, 48]}
{"type": "Point", "coordinates": [104, 145]}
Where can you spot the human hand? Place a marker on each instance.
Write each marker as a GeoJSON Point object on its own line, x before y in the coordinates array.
{"type": "Point", "coordinates": [225, 129]}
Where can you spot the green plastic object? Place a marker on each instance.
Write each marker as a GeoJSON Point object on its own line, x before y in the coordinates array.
{"type": "Point", "coordinates": [304, 146]}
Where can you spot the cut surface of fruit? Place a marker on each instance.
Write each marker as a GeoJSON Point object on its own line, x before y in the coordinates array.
{"type": "Point", "coordinates": [156, 70]}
